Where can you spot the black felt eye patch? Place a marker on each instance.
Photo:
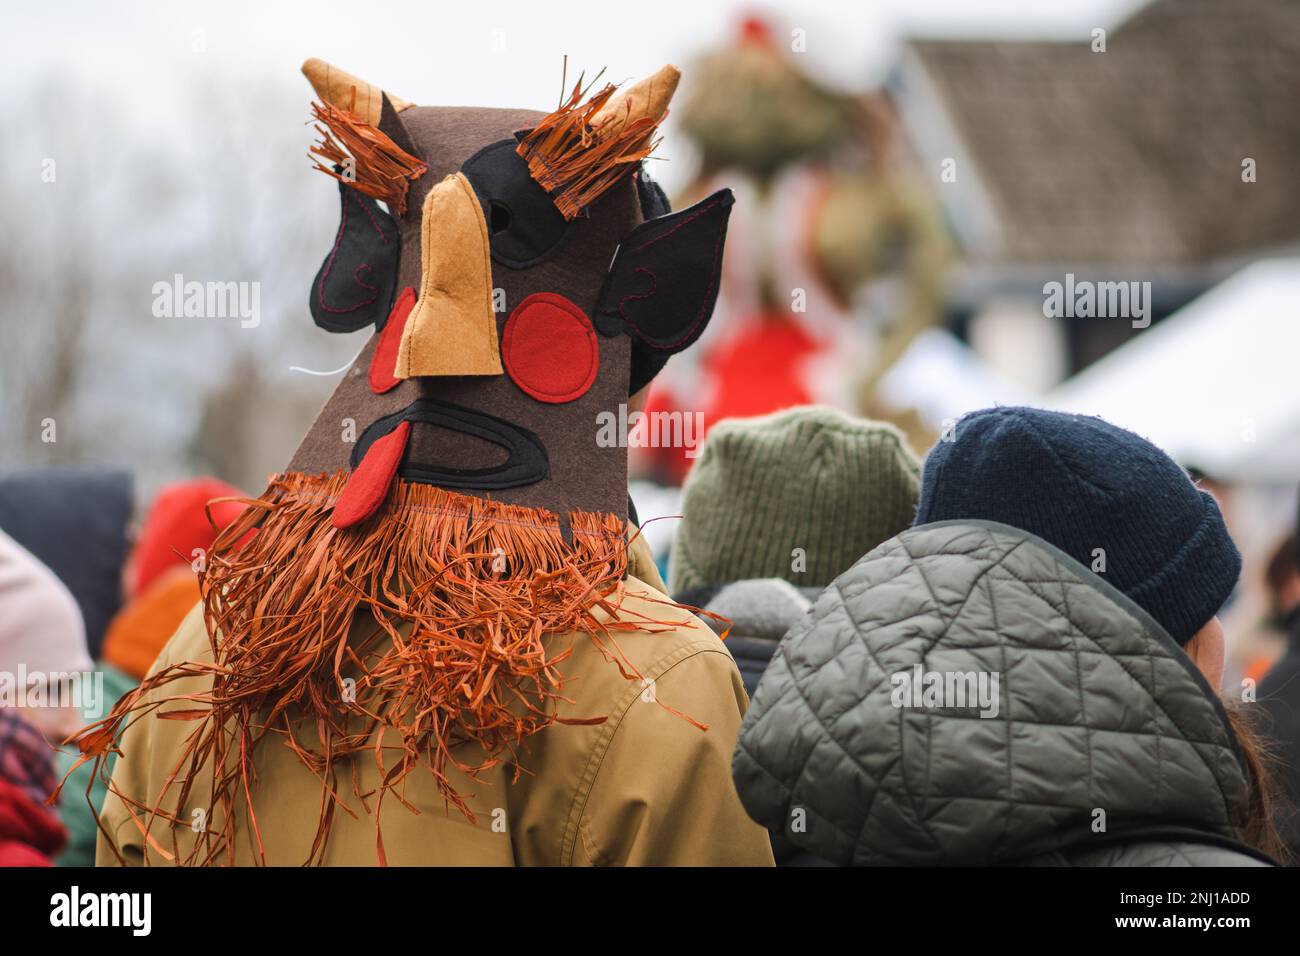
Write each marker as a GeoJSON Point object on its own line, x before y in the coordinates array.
{"type": "Point", "coordinates": [523, 223]}
{"type": "Point", "coordinates": [354, 285]}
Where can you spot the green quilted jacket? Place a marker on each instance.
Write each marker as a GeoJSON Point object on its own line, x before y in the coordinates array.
{"type": "Point", "coordinates": [967, 694]}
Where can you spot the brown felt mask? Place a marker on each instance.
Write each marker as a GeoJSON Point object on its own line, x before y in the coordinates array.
{"type": "Point", "coordinates": [517, 278]}
{"type": "Point", "coordinates": [453, 497]}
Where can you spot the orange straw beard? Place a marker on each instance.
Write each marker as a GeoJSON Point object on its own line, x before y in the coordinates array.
{"type": "Point", "coordinates": [462, 592]}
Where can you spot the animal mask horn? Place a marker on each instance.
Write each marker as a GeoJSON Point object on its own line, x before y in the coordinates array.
{"type": "Point", "coordinates": [352, 148]}
{"type": "Point", "coordinates": [645, 100]}
{"type": "Point", "coordinates": [335, 86]}
{"type": "Point", "coordinates": [583, 148]}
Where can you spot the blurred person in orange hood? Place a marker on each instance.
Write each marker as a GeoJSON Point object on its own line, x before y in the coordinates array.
{"type": "Point", "coordinates": [161, 586]}
{"type": "Point", "coordinates": [160, 577]}
{"type": "Point", "coordinates": [140, 630]}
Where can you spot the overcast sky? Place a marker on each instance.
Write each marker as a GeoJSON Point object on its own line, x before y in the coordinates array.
{"type": "Point", "coordinates": [137, 57]}
{"type": "Point", "coordinates": [477, 52]}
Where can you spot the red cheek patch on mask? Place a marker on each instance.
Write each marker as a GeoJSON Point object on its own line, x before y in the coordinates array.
{"type": "Point", "coordinates": [549, 348]}
{"type": "Point", "coordinates": [368, 485]}
{"type": "Point", "coordinates": [384, 361]}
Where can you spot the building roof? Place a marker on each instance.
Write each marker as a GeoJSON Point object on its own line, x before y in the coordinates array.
{"type": "Point", "coordinates": [1129, 156]}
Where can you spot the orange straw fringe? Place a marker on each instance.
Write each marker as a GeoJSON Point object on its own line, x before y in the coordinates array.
{"type": "Point", "coordinates": [471, 667]}
{"type": "Point", "coordinates": [383, 170]}
{"type": "Point", "coordinates": [575, 164]}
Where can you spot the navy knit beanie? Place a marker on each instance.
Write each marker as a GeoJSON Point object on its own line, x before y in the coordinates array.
{"type": "Point", "coordinates": [1082, 484]}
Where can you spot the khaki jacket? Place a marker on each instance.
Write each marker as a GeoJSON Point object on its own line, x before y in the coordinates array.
{"type": "Point", "coordinates": [643, 788]}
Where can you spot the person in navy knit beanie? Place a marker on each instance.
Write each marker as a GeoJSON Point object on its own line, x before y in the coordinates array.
{"type": "Point", "coordinates": [1083, 484]}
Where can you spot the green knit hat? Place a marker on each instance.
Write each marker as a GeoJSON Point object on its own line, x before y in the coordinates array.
{"type": "Point", "coordinates": [806, 478]}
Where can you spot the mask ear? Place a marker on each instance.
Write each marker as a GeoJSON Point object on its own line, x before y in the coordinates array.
{"type": "Point", "coordinates": [354, 286]}
{"type": "Point", "coordinates": [663, 282]}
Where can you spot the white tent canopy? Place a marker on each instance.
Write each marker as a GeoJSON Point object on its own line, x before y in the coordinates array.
{"type": "Point", "coordinates": [1217, 384]}
{"type": "Point", "coordinates": [943, 379]}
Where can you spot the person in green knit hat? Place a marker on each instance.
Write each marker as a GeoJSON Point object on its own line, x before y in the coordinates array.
{"type": "Point", "coordinates": [796, 496]}
{"type": "Point", "coordinates": [776, 508]}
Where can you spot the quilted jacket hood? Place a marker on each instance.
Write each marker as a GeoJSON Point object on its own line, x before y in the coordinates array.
{"type": "Point", "coordinates": [1082, 722]}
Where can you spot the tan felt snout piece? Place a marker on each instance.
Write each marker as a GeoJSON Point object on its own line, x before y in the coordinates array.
{"type": "Point", "coordinates": [452, 329]}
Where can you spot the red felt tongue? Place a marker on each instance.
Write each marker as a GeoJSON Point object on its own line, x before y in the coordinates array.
{"type": "Point", "coordinates": [368, 486]}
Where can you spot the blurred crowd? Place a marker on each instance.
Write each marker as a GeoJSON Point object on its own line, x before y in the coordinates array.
{"type": "Point", "coordinates": [1070, 557]}
{"type": "Point", "coordinates": [88, 593]}
{"type": "Point", "coordinates": [965, 634]}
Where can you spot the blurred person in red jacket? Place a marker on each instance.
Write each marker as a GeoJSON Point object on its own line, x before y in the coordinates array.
{"type": "Point", "coordinates": [30, 832]}
{"type": "Point", "coordinates": [177, 530]}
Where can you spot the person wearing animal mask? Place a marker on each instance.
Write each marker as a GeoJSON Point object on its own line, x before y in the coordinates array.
{"type": "Point", "coordinates": [431, 640]}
